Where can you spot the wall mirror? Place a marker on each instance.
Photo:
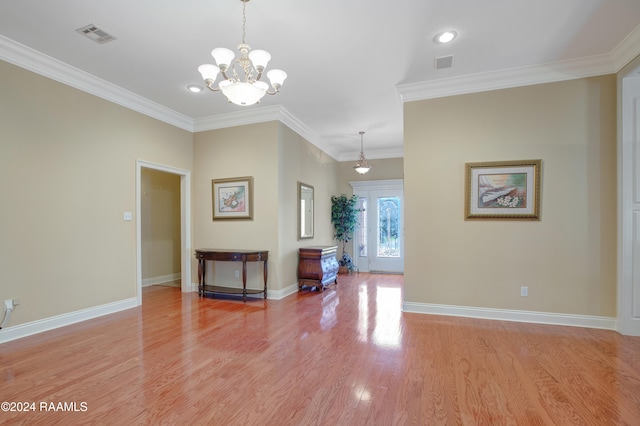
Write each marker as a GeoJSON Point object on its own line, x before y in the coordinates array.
{"type": "Point", "coordinates": [305, 211]}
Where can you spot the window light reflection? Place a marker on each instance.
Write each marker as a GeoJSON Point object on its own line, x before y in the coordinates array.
{"type": "Point", "coordinates": [329, 304]}
{"type": "Point", "coordinates": [362, 393]}
{"type": "Point", "coordinates": [388, 313]}
{"type": "Point", "coordinates": [363, 314]}
{"type": "Point", "coordinates": [386, 328]}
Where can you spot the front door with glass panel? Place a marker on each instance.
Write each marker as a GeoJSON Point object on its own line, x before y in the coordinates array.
{"type": "Point", "coordinates": [386, 236]}
{"type": "Point", "coordinates": [378, 242]}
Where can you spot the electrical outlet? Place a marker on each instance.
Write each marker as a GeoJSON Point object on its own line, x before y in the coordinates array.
{"type": "Point", "coordinates": [524, 291]}
{"type": "Point", "coordinates": [237, 274]}
{"type": "Point", "coordinates": [8, 305]}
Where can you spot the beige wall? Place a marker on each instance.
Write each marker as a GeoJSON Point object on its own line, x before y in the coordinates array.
{"type": "Point", "coordinates": [250, 150]}
{"type": "Point", "coordinates": [277, 158]}
{"type": "Point", "coordinates": [67, 174]}
{"type": "Point", "coordinates": [160, 225]}
{"type": "Point", "coordinates": [300, 161]}
{"type": "Point", "coordinates": [383, 169]}
{"type": "Point", "coordinates": [568, 258]}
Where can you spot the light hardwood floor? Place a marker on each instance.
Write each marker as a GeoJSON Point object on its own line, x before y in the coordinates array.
{"type": "Point", "coordinates": [347, 356]}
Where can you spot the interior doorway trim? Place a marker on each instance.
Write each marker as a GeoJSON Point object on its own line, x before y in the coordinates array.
{"type": "Point", "coordinates": [185, 223]}
{"type": "Point", "coordinates": [375, 185]}
{"type": "Point", "coordinates": [628, 315]}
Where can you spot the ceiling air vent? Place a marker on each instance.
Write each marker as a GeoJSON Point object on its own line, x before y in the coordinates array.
{"type": "Point", "coordinates": [444, 62]}
{"type": "Point", "coordinates": [95, 34]}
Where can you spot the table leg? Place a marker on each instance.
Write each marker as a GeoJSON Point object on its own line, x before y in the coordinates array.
{"type": "Point", "coordinates": [244, 280]}
{"type": "Point", "coordinates": [201, 277]}
{"type": "Point", "coordinates": [264, 271]}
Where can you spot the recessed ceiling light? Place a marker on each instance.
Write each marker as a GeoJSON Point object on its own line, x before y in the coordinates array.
{"type": "Point", "coordinates": [195, 89]}
{"type": "Point", "coordinates": [445, 36]}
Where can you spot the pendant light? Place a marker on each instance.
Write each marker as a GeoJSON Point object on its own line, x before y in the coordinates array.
{"type": "Point", "coordinates": [362, 165]}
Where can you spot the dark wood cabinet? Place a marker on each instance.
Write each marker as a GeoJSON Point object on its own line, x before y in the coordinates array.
{"type": "Point", "coordinates": [317, 267]}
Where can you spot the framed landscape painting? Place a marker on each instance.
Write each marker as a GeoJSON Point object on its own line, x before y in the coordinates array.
{"type": "Point", "coordinates": [232, 198]}
{"type": "Point", "coordinates": [503, 190]}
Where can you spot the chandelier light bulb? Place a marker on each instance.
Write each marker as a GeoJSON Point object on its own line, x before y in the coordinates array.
{"type": "Point", "coordinates": [208, 71]}
{"type": "Point", "coordinates": [276, 77]}
{"type": "Point", "coordinates": [260, 59]}
{"type": "Point", "coordinates": [223, 57]}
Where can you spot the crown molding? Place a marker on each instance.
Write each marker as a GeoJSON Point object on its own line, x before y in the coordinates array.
{"type": "Point", "coordinates": [509, 78]}
{"type": "Point", "coordinates": [237, 118]}
{"type": "Point", "coordinates": [627, 50]}
{"type": "Point", "coordinates": [39, 63]}
{"type": "Point", "coordinates": [261, 115]}
{"type": "Point", "coordinates": [592, 66]}
{"type": "Point", "coordinates": [303, 130]}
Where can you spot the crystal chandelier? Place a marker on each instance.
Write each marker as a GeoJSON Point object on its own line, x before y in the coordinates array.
{"type": "Point", "coordinates": [246, 88]}
{"type": "Point", "coordinates": [362, 165]}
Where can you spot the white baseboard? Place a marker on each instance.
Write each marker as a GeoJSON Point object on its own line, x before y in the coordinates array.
{"type": "Point", "coordinates": [607, 323]}
{"type": "Point", "coordinates": [160, 279]}
{"type": "Point", "coordinates": [282, 293]}
{"type": "Point", "coordinates": [34, 327]}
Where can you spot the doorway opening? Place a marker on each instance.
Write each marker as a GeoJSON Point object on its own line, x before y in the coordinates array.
{"type": "Point", "coordinates": [160, 222]}
{"type": "Point", "coordinates": [184, 227]}
{"type": "Point", "coordinates": [379, 239]}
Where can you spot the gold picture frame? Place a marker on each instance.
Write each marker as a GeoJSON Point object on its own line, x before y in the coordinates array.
{"type": "Point", "coordinates": [232, 198]}
{"type": "Point", "coordinates": [503, 190]}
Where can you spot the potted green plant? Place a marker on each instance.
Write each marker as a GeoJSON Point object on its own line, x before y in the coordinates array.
{"type": "Point", "coordinates": [344, 217]}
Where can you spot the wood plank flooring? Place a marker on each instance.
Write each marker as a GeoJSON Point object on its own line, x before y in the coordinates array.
{"type": "Point", "coordinates": [347, 356]}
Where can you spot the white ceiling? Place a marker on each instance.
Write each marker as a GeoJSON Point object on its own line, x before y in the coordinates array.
{"type": "Point", "coordinates": [350, 63]}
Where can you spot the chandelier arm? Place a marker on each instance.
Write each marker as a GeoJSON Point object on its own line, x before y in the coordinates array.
{"type": "Point", "coordinates": [276, 89]}
{"type": "Point", "coordinates": [235, 75]}
{"type": "Point", "coordinates": [210, 86]}
{"type": "Point", "coordinates": [245, 64]}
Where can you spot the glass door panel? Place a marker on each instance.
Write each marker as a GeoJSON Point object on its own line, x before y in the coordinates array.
{"type": "Point", "coordinates": [362, 233]}
{"type": "Point", "coordinates": [388, 227]}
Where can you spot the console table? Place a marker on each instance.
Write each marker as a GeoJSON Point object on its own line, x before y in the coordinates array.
{"type": "Point", "coordinates": [243, 256]}
{"type": "Point", "coordinates": [317, 267]}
